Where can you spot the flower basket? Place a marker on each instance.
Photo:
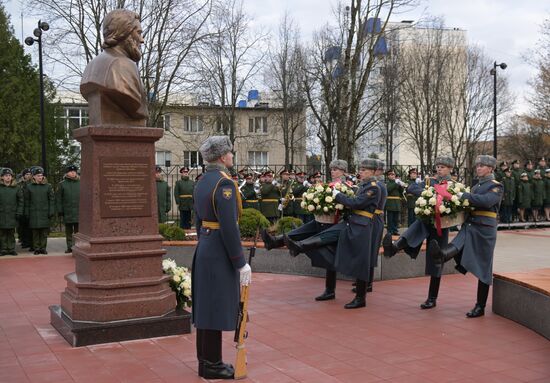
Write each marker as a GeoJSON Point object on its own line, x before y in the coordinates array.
{"type": "Point", "coordinates": [325, 218]}
{"type": "Point", "coordinates": [450, 221]}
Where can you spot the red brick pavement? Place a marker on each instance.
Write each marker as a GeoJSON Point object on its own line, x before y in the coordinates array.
{"type": "Point", "coordinates": [292, 337]}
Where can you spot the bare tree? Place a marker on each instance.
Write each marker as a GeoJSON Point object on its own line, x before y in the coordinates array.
{"type": "Point", "coordinates": [227, 61]}
{"type": "Point", "coordinates": [540, 97]}
{"type": "Point", "coordinates": [285, 78]}
{"type": "Point", "coordinates": [171, 28]}
{"type": "Point", "coordinates": [527, 138]}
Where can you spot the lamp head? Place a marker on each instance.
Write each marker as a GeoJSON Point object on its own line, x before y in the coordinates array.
{"type": "Point", "coordinates": [37, 32]}
{"type": "Point", "coordinates": [44, 25]}
{"type": "Point", "coordinates": [29, 41]}
{"type": "Point", "coordinates": [503, 66]}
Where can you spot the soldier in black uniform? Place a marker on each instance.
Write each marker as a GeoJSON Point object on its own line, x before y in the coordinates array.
{"type": "Point", "coordinates": [474, 245]}
{"type": "Point", "coordinates": [411, 240]}
{"type": "Point", "coordinates": [219, 265]}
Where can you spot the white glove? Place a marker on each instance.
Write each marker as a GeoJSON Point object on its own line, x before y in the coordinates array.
{"type": "Point", "coordinates": [283, 200]}
{"type": "Point", "coordinates": [274, 183]}
{"type": "Point", "coordinates": [459, 195]}
{"type": "Point", "coordinates": [306, 184]}
{"type": "Point", "coordinates": [280, 207]}
{"type": "Point", "coordinates": [245, 274]}
{"type": "Point", "coordinates": [399, 182]}
{"type": "Point", "coordinates": [335, 192]}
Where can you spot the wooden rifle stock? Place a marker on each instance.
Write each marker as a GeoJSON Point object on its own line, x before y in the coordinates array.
{"type": "Point", "coordinates": [240, 332]}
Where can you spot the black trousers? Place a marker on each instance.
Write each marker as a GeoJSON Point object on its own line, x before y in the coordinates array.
{"type": "Point", "coordinates": [185, 219]}
{"type": "Point", "coordinates": [482, 293]}
{"type": "Point", "coordinates": [330, 280]}
{"type": "Point", "coordinates": [209, 345]}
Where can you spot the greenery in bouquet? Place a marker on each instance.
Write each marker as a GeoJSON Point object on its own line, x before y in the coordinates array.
{"type": "Point", "coordinates": [318, 198]}
{"type": "Point", "coordinates": [451, 204]}
{"type": "Point", "coordinates": [180, 281]}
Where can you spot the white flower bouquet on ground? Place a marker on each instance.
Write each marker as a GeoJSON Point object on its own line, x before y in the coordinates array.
{"type": "Point", "coordinates": [180, 282]}
{"type": "Point", "coordinates": [318, 200]}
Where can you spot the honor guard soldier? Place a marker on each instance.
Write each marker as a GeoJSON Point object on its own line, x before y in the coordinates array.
{"type": "Point", "coordinates": [395, 189]}
{"type": "Point", "coordinates": [271, 196]}
{"type": "Point", "coordinates": [411, 240]}
{"type": "Point", "coordinates": [11, 210]}
{"type": "Point", "coordinates": [164, 203]}
{"type": "Point", "coordinates": [25, 234]}
{"type": "Point", "coordinates": [39, 209]}
{"type": "Point", "coordinates": [474, 245]}
{"type": "Point", "coordinates": [305, 238]}
{"type": "Point", "coordinates": [248, 192]}
{"type": "Point", "coordinates": [509, 197]}
{"type": "Point", "coordinates": [300, 187]}
{"type": "Point", "coordinates": [378, 222]}
{"type": "Point", "coordinates": [538, 194]}
{"type": "Point", "coordinates": [219, 265]}
{"type": "Point", "coordinates": [412, 191]}
{"type": "Point", "coordinates": [547, 194]}
{"type": "Point", "coordinates": [286, 194]}
{"type": "Point", "coordinates": [525, 196]}
{"type": "Point", "coordinates": [183, 194]}
{"type": "Point", "coordinates": [67, 203]}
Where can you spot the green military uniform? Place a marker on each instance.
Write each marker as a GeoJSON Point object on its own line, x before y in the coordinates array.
{"type": "Point", "coordinates": [525, 194]}
{"type": "Point", "coordinates": [39, 209]}
{"type": "Point", "coordinates": [269, 202]}
{"type": "Point", "coordinates": [11, 209]}
{"type": "Point", "coordinates": [509, 191]}
{"type": "Point", "coordinates": [297, 191]}
{"type": "Point", "coordinates": [67, 205]}
{"type": "Point", "coordinates": [249, 197]}
{"type": "Point", "coordinates": [286, 192]}
{"type": "Point", "coordinates": [163, 200]}
{"type": "Point", "coordinates": [23, 230]}
{"type": "Point", "coordinates": [393, 205]}
{"type": "Point", "coordinates": [538, 193]}
{"type": "Point", "coordinates": [183, 194]}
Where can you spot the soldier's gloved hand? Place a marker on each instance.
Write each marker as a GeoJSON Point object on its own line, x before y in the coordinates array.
{"type": "Point", "coordinates": [459, 194]}
{"type": "Point", "coordinates": [283, 200]}
{"type": "Point", "coordinates": [306, 184]}
{"type": "Point", "coordinates": [274, 183]}
{"type": "Point", "coordinates": [245, 274]}
{"type": "Point", "coordinates": [335, 192]}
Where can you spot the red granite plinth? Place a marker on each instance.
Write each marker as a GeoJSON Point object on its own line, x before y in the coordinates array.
{"type": "Point", "coordinates": [118, 251]}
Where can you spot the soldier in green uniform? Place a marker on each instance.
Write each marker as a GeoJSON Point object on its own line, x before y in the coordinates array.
{"type": "Point", "coordinates": [516, 174]}
{"type": "Point", "coordinates": [538, 194]}
{"type": "Point", "coordinates": [183, 194]}
{"type": "Point", "coordinates": [499, 173]}
{"type": "Point", "coordinates": [249, 196]}
{"type": "Point", "coordinates": [300, 187]}
{"type": "Point", "coordinates": [542, 165]}
{"type": "Point", "coordinates": [525, 195]}
{"type": "Point", "coordinates": [39, 208]}
{"type": "Point", "coordinates": [271, 195]}
{"type": "Point", "coordinates": [410, 190]}
{"type": "Point", "coordinates": [286, 193]}
{"type": "Point", "coordinates": [23, 230]}
{"type": "Point", "coordinates": [393, 202]}
{"type": "Point", "coordinates": [547, 194]}
{"type": "Point", "coordinates": [509, 197]}
{"type": "Point", "coordinates": [163, 196]}
{"type": "Point", "coordinates": [529, 169]}
{"type": "Point", "coordinates": [11, 209]}
{"type": "Point", "coordinates": [67, 204]}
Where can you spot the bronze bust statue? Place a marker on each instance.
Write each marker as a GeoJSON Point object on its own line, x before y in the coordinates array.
{"type": "Point", "coordinates": [111, 83]}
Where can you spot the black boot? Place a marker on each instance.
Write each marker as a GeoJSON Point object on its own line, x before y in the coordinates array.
{"type": "Point", "coordinates": [477, 311]}
{"type": "Point", "coordinates": [441, 255]}
{"type": "Point", "coordinates": [272, 241]}
{"type": "Point", "coordinates": [330, 287]}
{"type": "Point", "coordinates": [391, 248]}
{"type": "Point", "coordinates": [432, 294]}
{"type": "Point", "coordinates": [326, 296]}
{"type": "Point", "coordinates": [218, 370]}
{"type": "Point", "coordinates": [359, 300]}
{"type": "Point", "coordinates": [298, 247]}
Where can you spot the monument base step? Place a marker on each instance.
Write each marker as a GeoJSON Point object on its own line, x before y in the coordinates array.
{"type": "Point", "coordinates": [87, 333]}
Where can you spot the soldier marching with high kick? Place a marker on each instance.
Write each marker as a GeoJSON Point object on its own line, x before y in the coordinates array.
{"type": "Point", "coordinates": [474, 245]}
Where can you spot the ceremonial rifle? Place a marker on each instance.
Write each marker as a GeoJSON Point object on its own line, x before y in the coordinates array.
{"type": "Point", "coordinates": [240, 332]}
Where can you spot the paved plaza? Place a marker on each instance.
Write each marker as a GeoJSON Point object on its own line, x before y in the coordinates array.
{"type": "Point", "coordinates": [292, 337]}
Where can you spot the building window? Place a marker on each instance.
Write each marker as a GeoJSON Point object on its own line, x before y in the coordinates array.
{"type": "Point", "coordinates": [192, 124]}
{"type": "Point", "coordinates": [163, 158]}
{"type": "Point", "coordinates": [219, 125]}
{"type": "Point", "coordinates": [75, 117]}
{"type": "Point", "coordinates": [163, 122]}
{"type": "Point", "coordinates": [256, 158]}
{"type": "Point", "coordinates": [192, 159]}
{"type": "Point", "coordinates": [257, 125]}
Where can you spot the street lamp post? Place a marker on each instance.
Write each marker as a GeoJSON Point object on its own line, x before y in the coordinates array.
{"type": "Point", "coordinates": [494, 74]}
{"type": "Point", "coordinates": [42, 26]}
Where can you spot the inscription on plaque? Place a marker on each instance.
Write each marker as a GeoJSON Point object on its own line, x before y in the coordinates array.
{"type": "Point", "coordinates": [125, 187]}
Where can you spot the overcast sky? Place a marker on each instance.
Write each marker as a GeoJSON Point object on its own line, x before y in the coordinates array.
{"type": "Point", "coordinates": [506, 29]}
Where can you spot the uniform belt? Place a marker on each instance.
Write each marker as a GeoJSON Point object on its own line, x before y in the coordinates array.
{"type": "Point", "coordinates": [251, 200]}
{"type": "Point", "coordinates": [270, 200]}
{"type": "Point", "coordinates": [379, 212]}
{"type": "Point", "coordinates": [363, 213]}
{"type": "Point", "coordinates": [483, 213]}
{"type": "Point", "coordinates": [212, 225]}
{"type": "Point", "coordinates": [393, 197]}
{"type": "Point", "coordinates": [185, 196]}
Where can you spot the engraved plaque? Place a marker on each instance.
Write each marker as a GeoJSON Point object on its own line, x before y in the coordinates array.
{"type": "Point", "coordinates": [125, 187]}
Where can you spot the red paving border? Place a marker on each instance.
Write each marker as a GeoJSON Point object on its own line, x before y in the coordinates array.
{"type": "Point", "coordinates": [292, 337]}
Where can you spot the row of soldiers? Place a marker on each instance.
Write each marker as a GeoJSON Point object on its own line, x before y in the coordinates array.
{"type": "Point", "coordinates": [526, 191]}
{"type": "Point", "coordinates": [29, 205]}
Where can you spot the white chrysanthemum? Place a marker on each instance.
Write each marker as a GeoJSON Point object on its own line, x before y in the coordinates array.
{"type": "Point", "coordinates": [457, 202]}
{"type": "Point", "coordinates": [311, 207]}
{"type": "Point", "coordinates": [427, 211]}
{"type": "Point", "coordinates": [467, 189]}
{"type": "Point", "coordinates": [442, 208]}
{"type": "Point", "coordinates": [422, 202]}
{"type": "Point", "coordinates": [339, 206]}
{"type": "Point", "coordinates": [176, 278]}
{"type": "Point", "coordinates": [328, 199]}
{"type": "Point", "coordinates": [457, 190]}
{"type": "Point", "coordinates": [325, 209]}
{"type": "Point", "coordinates": [318, 207]}
{"type": "Point", "coordinates": [168, 264]}
{"type": "Point", "coordinates": [429, 194]}
{"type": "Point", "coordinates": [316, 200]}
{"type": "Point", "coordinates": [319, 188]}
{"type": "Point", "coordinates": [432, 201]}
{"type": "Point", "coordinates": [448, 210]}
{"type": "Point", "coordinates": [328, 190]}
{"type": "Point", "coordinates": [454, 198]}
{"type": "Point", "coordinates": [344, 188]}
{"type": "Point", "coordinates": [310, 196]}
{"type": "Point", "coordinates": [417, 210]}
{"type": "Point", "coordinates": [187, 292]}
{"type": "Point", "coordinates": [424, 193]}
{"type": "Point", "coordinates": [303, 204]}
{"type": "Point", "coordinates": [465, 203]}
